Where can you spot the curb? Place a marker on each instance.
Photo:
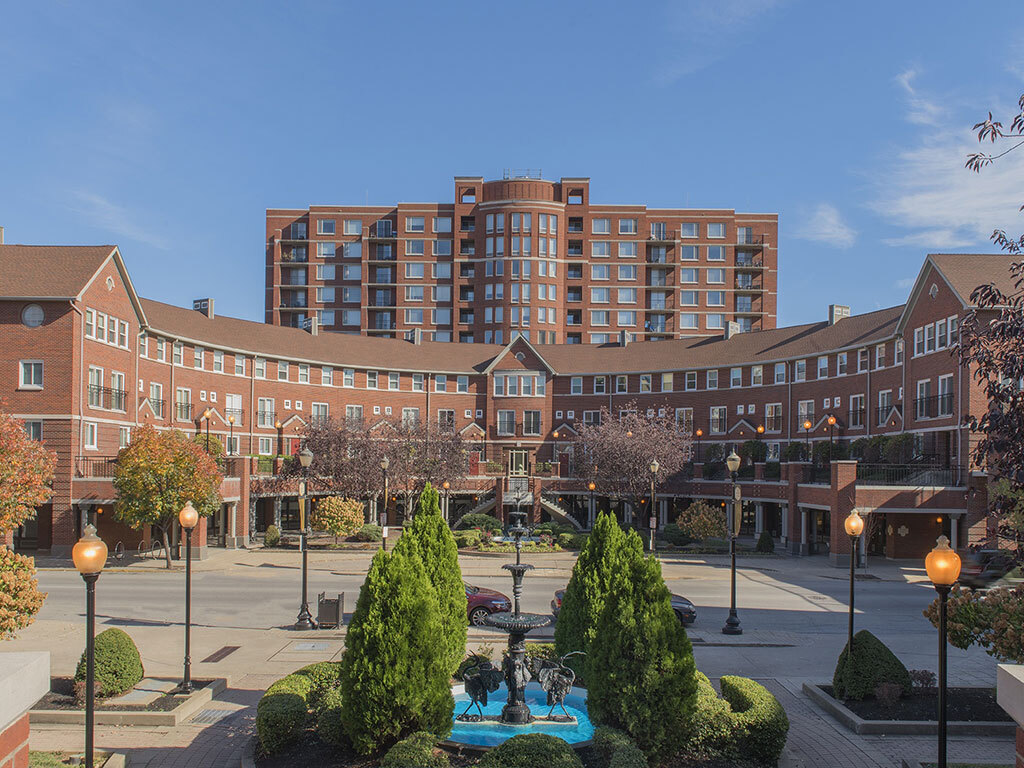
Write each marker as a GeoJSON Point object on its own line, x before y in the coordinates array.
{"type": "Point", "coordinates": [249, 754]}
{"type": "Point", "coordinates": [174, 717]}
{"type": "Point", "coordinates": [902, 727]}
{"type": "Point", "coordinates": [117, 760]}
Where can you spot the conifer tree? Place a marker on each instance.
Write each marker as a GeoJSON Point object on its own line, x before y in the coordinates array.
{"type": "Point", "coordinates": [599, 563]}
{"type": "Point", "coordinates": [394, 674]}
{"type": "Point", "coordinates": [430, 538]}
{"type": "Point", "coordinates": [639, 669]}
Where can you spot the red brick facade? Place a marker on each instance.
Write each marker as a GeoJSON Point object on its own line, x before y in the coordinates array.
{"type": "Point", "coordinates": [262, 384]}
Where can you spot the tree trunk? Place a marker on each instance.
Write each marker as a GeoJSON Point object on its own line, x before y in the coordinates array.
{"type": "Point", "coordinates": [167, 546]}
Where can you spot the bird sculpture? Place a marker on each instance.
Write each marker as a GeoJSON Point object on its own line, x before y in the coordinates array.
{"type": "Point", "coordinates": [480, 678]}
{"type": "Point", "coordinates": [556, 680]}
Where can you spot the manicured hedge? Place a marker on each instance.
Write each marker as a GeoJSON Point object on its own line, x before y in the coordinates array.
{"type": "Point", "coordinates": [118, 665]}
{"type": "Point", "coordinates": [761, 725]}
{"type": "Point", "coordinates": [765, 543]}
{"type": "Point", "coordinates": [872, 663]}
{"type": "Point", "coordinates": [272, 537]}
{"type": "Point", "coordinates": [328, 719]}
{"type": "Point", "coordinates": [369, 532]}
{"type": "Point", "coordinates": [607, 742]}
{"type": "Point", "coordinates": [532, 750]}
{"type": "Point", "coordinates": [416, 751]}
{"type": "Point", "coordinates": [630, 756]}
{"type": "Point", "coordinates": [466, 539]}
{"type": "Point", "coordinates": [746, 723]}
{"type": "Point", "coordinates": [324, 676]}
{"type": "Point", "coordinates": [481, 521]}
{"type": "Point", "coordinates": [282, 712]}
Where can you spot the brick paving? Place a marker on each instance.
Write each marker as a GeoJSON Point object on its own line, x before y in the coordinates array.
{"type": "Point", "coordinates": [815, 739]}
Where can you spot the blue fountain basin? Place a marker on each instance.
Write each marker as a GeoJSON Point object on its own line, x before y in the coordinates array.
{"type": "Point", "coordinates": [491, 734]}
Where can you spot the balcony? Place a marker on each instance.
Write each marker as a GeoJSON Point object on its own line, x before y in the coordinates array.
{"type": "Point", "coordinates": [107, 398]}
{"type": "Point", "coordinates": [855, 418]}
{"type": "Point", "coordinates": [183, 411]}
{"type": "Point", "coordinates": [575, 225]}
{"type": "Point", "coordinates": [882, 413]}
{"type": "Point", "coordinates": [747, 283]}
{"type": "Point", "coordinates": [749, 239]}
{"type": "Point", "coordinates": [266, 419]}
{"type": "Point", "coordinates": [661, 235]}
{"type": "Point", "coordinates": [934, 406]}
{"type": "Point", "coordinates": [382, 231]}
{"type": "Point", "coordinates": [295, 303]}
{"type": "Point", "coordinates": [747, 261]}
{"type": "Point", "coordinates": [912, 475]}
{"type": "Point", "coordinates": [773, 424]}
{"type": "Point", "coordinates": [295, 256]}
{"type": "Point", "coordinates": [238, 414]}
{"type": "Point", "coordinates": [95, 466]}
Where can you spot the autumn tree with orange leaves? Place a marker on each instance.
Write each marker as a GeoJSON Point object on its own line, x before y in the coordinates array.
{"type": "Point", "coordinates": [26, 478]}
{"type": "Point", "coordinates": [157, 475]}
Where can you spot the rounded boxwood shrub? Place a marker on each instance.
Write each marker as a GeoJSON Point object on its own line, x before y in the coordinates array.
{"type": "Point", "coordinates": [118, 664]}
{"type": "Point", "coordinates": [765, 543]}
{"type": "Point", "coordinates": [674, 535]}
{"type": "Point", "coordinates": [272, 537]}
{"type": "Point", "coordinates": [606, 742]}
{"type": "Point", "coordinates": [530, 750]}
{"type": "Point", "coordinates": [759, 721]}
{"type": "Point", "coordinates": [871, 664]}
{"type": "Point", "coordinates": [416, 751]}
{"type": "Point", "coordinates": [281, 713]}
{"type": "Point", "coordinates": [324, 676]}
{"type": "Point", "coordinates": [328, 719]}
{"type": "Point", "coordinates": [710, 730]}
{"type": "Point", "coordinates": [481, 521]}
{"type": "Point", "coordinates": [630, 756]}
{"type": "Point", "coordinates": [369, 532]}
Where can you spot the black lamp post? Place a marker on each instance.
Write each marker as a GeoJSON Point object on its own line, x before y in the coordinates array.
{"type": "Point", "coordinates": [699, 433]}
{"type": "Point", "coordinates": [854, 525]}
{"type": "Point", "coordinates": [89, 555]}
{"type": "Point", "coordinates": [206, 418]}
{"type": "Point", "coordinates": [943, 567]}
{"type": "Point", "coordinates": [304, 620]}
{"type": "Point", "coordinates": [385, 462]}
{"type": "Point", "coordinates": [231, 437]}
{"type": "Point", "coordinates": [446, 486]}
{"type": "Point", "coordinates": [831, 435]}
{"type": "Point", "coordinates": [654, 519]}
{"type": "Point", "coordinates": [807, 437]}
{"type": "Point", "coordinates": [593, 511]}
{"type": "Point", "coordinates": [732, 624]}
{"type": "Point", "coordinates": [187, 518]}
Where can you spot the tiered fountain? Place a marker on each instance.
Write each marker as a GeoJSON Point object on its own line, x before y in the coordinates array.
{"type": "Point", "coordinates": [487, 727]}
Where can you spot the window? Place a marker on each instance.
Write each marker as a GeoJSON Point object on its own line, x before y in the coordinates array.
{"type": "Point", "coordinates": [621, 385]}
{"type": "Point", "coordinates": [780, 373]}
{"type": "Point", "coordinates": [645, 382]}
{"type": "Point", "coordinates": [922, 405]}
{"type": "Point", "coordinates": [773, 417]}
{"type": "Point", "coordinates": [719, 419]}
{"type": "Point", "coordinates": [688, 229]}
{"type": "Point", "coordinates": [628, 251]}
{"type": "Point", "coordinates": [414, 293]}
{"type": "Point", "coordinates": [282, 370]}
{"type": "Point", "coordinates": [124, 436]}
{"type": "Point", "coordinates": [353, 227]}
{"type": "Point", "coordinates": [600, 385]}
{"type": "Point", "coordinates": [627, 226]}
{"type": "Point", "coordinates": [393, 380]}
{"type": "Point", "coordinates": [716, 276]}
{"type": "Point", "coordinates": [600, 295]}
{"type": "Point", "coordinates": [414, 271]}
{"type": "Point", "coordinates": [531, 422]}
{"type": "Point", "coordinates": [600, 249]}
{"type": "Point", "coordinates": [945, 404]}
{"type": "Point", "coordinates": [800, 370]}
{"type": "Point", "coordinates": [325, 251]}
{"type": "Point", "coordinates": [351, 294]}
{"type": "Point", "coordinates": [862, 360]}
{"type": "Point", "coordinates": [716, 253]}
{"type": "Point", "coordinates": [735, 377]}
{"type": "Point", "coordinates": [218, 361]}
{"type": "Point", "coordinates": [627, 295]}
{"type": "Point", "coordinates": [325, 226]}
{"type": "Point", "coordinates": [462, 384]}
{"type": "Point", "coordinates": [90, 323]}
{"type": "Point", "coordinates": [413, 223]}
{"type": "Point", "coordinates": [823, 367]}
{"type": "Point", "coordinates": [31, 374]}
{"type": "Point", "coordinates": [688, 321]}
{"type": "Point", "coordinates": [804, 411]}
{"type": "Point", "coordinates": [929, 338]}
{"type": "Point", "coordinates": [414, 247]}
{"type": "Point", "coordinates": [918, 341]}
{"type": "Point", "coordinates": [414, 316]}
{"type": "Point", "coordinates": [897, 352]}
{"type": "Point", "coordinates": [265, 412]}
{"type": "Point", "coordinates": [953, 337]}
{"type": "Point", "coordinates": [599, 317]}
{"type": "Point", "coordinates": [715, 321]}
{"type": "Point", "coordinates": [183, 404]}
{"type": "Point", "coordinates": [259, 368]}
{"type": "Point", "coordinates": [417, 382]}
{"type": "Point", "coordinates": [879, 355]}
{"type": "Point", "coordinates": [506, 422]}
{"type": "Point", "coordinates": [716, 298]}
{"type": "Point", "coordinates": [355, 272]}
{"type": "Point", "coordinates": [841, 364]}
{"type": "Point", "coordinates": [443, 248]}
{"type": "Point", "coordinates": [350, 317]}
{"type": "Point", "coordinates": [576, 385]}
{"type": "Point", "coordinates": [161, 350]}
{"type": "Point", "coordinates": [627, 272]}
{"type": "Point", "coordinates": [443, 223]}
{"type": "Point", "coordinates": [34, 430]}
{"type": "Point", "coordinates": [239, 365]}
{"type": "Point", "coordinates": [756, 375]}
{"type": "Point", "coordinates": [712, 379]}
{"type": "Point", "coordinates": [90, 438]}
{"type": "Point", "coordinates": [197, 357]}
{"type": "Point", "coordinates": [716, 230]}
{"type": "Point", "coordinates": [601, 226]}
{"type": "Point", "coordinates": [599, 272]}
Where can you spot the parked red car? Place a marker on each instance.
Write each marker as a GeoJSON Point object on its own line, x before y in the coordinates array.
{"type": "Point", "coordinates": [482, 602]}
{"type": "Point", "coordinates": [685, 611]}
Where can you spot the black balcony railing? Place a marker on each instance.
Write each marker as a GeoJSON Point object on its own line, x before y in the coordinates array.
{"type": "Point", "coordinates": [183, 411]}
{"type": "Point", "coordinates": [718, 426]}
{"type": "Point", "coordinates": [107, 398]}
{"type": "Point", "coordinates": [773, 424]}
{"type": "Point", "coordinates": [912, 475]}
{"type": "Point", "coordinates": [265, 418]}
{"type": "Point", "coordinates": [299, 257]}
{"type": "Point", "coordinates": [157, 406]}
{"type": "Point", "coordinates": [95, 466]}
{"type": "Point", "coordinates": [855, 418]}
{"type": "Point", "coordinates": [934, 406]}
{"type": "Point", "coordinates": [882, 413]}
{"type": "Point", "coordinates": [749, 239]}
{"type": "Point", "coordinates": [238, 413]}
{"type": "Point", "coordinates": [802, 417]}
{"type": "Point", "coordinates": [749, 262]}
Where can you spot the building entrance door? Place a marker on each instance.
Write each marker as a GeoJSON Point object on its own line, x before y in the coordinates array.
{"type": "Point", "coordinates": [517, 463]}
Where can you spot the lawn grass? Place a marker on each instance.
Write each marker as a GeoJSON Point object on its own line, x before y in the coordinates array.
{"type": "Point", "coordinates": [62, 759]}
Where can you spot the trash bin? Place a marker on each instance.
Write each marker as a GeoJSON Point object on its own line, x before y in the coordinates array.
{"type": "Point", "coordinates": [330, 611]}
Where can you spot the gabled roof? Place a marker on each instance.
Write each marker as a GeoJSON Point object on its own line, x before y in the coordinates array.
{"type": "Point", "coordinates": [518, 341]}
{"type": "Point", "coordinates": [49, 271]}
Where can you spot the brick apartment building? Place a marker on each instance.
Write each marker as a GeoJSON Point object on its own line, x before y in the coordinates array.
{"type": "Point", "coordinates": [84, 360]}
{"type": "Point", "coordinates": [521, 255]}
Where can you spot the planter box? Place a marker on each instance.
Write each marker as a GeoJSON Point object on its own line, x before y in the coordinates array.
{"type": "Point", "coordinates": [902, 727]}
{"type": "Point", "coordinates": [188, 707]}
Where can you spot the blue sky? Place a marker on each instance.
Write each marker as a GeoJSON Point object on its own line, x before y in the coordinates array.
{"type": "Point", "coordinates": [169, 130]}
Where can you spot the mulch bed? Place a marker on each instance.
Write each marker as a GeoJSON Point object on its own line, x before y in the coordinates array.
{"type": "Point", "coordinates": [970, 705]}
{"type": "Point", "coordinates": [62, 696]}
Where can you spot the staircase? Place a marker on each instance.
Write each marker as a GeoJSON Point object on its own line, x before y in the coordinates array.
{"type": "Point", "coordinates": [558, 512]}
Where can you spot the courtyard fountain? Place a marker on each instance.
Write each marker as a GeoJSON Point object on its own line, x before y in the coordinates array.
{"type": "Point", "coordinates": [554, 680]}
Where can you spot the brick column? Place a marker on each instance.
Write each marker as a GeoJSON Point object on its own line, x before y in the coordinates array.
{"type": "Point", "coordinates": [24, 677]}
{"type": "Point", "coordinates": [759, 470]}
{"type": "Point", "coordinates": [1010, 696]}
{"type": "Point", "coordinates": [698, 470]}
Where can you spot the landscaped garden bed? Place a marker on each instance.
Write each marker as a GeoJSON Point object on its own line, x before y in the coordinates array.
{"type": "Point", "coordinates": [62, 697]}
{"type": "Point", "coordinates": [61, 759]}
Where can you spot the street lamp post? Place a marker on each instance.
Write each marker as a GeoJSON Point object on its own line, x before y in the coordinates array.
{"type": "Point", "coordinates": [187, 518]}
{"type": "Point", "coordinates": [280, 437]}
{"type": "Point", "coordinates": [807, 437]}
{"type": "Point", "coordinates": [831, 434]}
{"type": "Point", "coordinates": [593, 512]}
{"type": "Point", "coordinates": [732, 624]}
{"type": "Point", "coordinates": [654, 520]}
{"type": "Point", "coordinates": [231, 438]}
{"type": "Point", "coordinates": [385, 462]}
{"type": "Point", "coordinates": [206, 418]}
{"type": "Point", "coordinates": [699, 434]}
{"type": "Point", "coordinates": [304, 620]}
{"type": "Point", "coordinates": [943, 567]}
{"type": "Point", "coordinates": [89, 555]}
{"type": "Point", "coordinates": [854, 525]}
{"type": "Point", "coordinates": [446, 486]}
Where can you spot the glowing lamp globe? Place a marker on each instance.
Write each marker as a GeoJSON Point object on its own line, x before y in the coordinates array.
{"type": "Point", "coordinates": [188, 517]}
{"type": "Point", "coordinates": [591, 485]}
{"type": "Point", "coordinates": [733, 462]}
{"type": "Point", "coordinates": [854, 524]}
{"type": "Point", "coordinates": [89, 553]}
{"type": "Point", "coordinates": [655, 466]}
{"type": "Point", "coordinates": [942, 564]}
{"type": "Point", "coordinates": [446, 485]}
{"type": "Point", "coordinates": [305, 458]}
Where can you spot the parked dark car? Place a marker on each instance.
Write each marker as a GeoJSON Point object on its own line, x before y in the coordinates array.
{"type": "Point", "coordinates": [984, 566]}
{"type": "Point", "coordinates": [686, 611]}
{"type": "Point", "coordinates": [483, 602]}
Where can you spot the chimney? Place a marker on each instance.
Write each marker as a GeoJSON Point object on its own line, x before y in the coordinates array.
{"type": "Point", "coordinates": [623, 338]}
{"type": "Point", "coordinates": [837, 312]}
{"type": "Point", "coordinates": [203, 305]}
{"type": "Point", "coordinates": [314, 326]}
{"type": "Point", "coordinates": [1, 235]}
{"type": "Point", "coordinates": [731, 329]}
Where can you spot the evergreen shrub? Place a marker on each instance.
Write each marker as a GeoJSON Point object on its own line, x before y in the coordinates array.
{"type": "Point", "coordinates": [479, 520]}
{"type": "Point", "coordinates": [328, 719]}
{"type": "Point", "coordinates": [765, 543]}
{"type": "Point", "coordinates": [871, 663]}
{"type": "Point", "coordinates": [272, 537]}
{"type": "Point", "coordinates": [369, 532]}
{"type": "Point", "coordinates": [282, 712]}
{"type": "Point", "coordinates": [415, 751]}
{"type": "Point", "coordinates": [532, 750]}
{"type": "Point", "coordinates": [118, 665]}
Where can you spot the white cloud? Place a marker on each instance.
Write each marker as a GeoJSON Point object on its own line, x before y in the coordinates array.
{"type": "Point", "coordinates": [825, 225]}
{"type": "Point", "coordinates": [926, 190]}
{"type": "Point", "coordinates": [906, 282]}
{"type": "Point", "coordinates": [702, 32]}
{"type": "Point", "coordinates": [105, 214]}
